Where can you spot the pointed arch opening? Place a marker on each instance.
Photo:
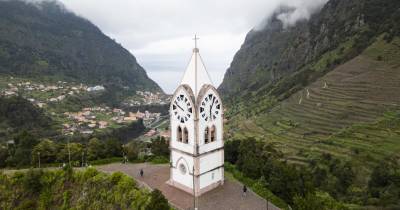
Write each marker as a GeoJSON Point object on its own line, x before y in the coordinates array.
{"type": "Point", "coordinates": [213, 134]}
{"type": "Point", "coordinates": [179, 134]}
{"type": "Point", "coordinates": [206, 136]}
{"type": "Point", "coordinates": [185, 135]}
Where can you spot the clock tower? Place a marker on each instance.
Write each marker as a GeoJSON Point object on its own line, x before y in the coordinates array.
{"type": "Point", "coordinates": [197, 146]}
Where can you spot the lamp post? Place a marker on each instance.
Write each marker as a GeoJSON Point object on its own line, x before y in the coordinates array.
{"type": "Point", "coordinates": [194, 193]}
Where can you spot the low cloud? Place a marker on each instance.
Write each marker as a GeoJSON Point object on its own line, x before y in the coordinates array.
{"type": "Point", "coordinates": [295, 10]}
{"type": "Point", "coordinates": [159, 33]}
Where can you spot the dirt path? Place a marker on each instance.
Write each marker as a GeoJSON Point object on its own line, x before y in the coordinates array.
{"type": "Point", "coordinates": [226, 197]}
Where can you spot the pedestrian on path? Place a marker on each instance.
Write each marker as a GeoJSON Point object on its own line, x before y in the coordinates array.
{"type": "Point", "coordinates": [141, 172]}
{"type": "Point", "coordinates": [244, 191]}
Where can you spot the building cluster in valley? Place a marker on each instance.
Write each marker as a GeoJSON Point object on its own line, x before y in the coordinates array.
{"type": "Point", "coordinates": [42, 94]}
{"type": "Point", "coordinates": [156, 132]}
{"type": "Point", "coordinates": [147, 98]}
{"type": "Point", "coordinates": [99, 117]}
{"type": "Point", "coordinates": [87, 120]}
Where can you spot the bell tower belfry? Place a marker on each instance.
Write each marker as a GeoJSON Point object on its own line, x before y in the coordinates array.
{"type": "Point", "coordinates": [196, 117]}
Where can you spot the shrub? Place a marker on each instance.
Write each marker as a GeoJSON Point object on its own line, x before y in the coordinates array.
{"type": "Point", "coordinates": [157, 201]}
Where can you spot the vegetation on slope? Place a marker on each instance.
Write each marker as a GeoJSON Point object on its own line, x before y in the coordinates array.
{"type": "Point", "coordinates": [333, 117]}
{"type": "Point", "coordinates": [88, 151]}
{"type": "Point", "coordinates": [326, 183]}
{"type": "Point", "coordinates": [18, 114]}
{"type": "Point", "coordinates": [67, 189]}
{"type": "Point", "coordinates": [359, 91]}
{"type": "Point", "coordinates": [268, 69]}
{"type": "Point", "coordinates": [43, 40]}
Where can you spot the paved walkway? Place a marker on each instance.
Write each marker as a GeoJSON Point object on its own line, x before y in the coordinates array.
{"type": "Point", "coordinates": [226, 197]}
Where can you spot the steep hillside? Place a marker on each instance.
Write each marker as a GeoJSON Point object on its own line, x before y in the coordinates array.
{"type": "Point", "coordinates": [351, 111]}
{"type": "Point", "coordinates": [44, 40]}
{"type": "Point", "coordinates": [279, 60]}
{"type": "Point", "coordinates": [323, 95]}
{"type": "Point", "coordinates": [328, 85]}
{"type": "Point", "coordinates": [18, 114]}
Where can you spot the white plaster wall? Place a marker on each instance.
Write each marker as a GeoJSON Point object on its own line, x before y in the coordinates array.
{"type": "Point", "coordinates": [210, 146]}
{"type": "Point", "coordinates": [189, 125]}
{"type": "Point", "coordinates": [207, 179]}
{"type": "Point", "coordinates": [211, 161]}
{"type": "Point", "coordinates": [178, 158]}
{"type": "Point", "coordinates": [218, 123]}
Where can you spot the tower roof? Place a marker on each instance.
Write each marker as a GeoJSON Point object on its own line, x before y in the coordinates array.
{"type": "Point", "coordinates": [196, 74]}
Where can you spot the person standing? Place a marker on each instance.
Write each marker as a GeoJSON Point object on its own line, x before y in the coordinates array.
{"type": "Point", "coordinates": [141, 172]}
{"type": "Point", "coordinates": [244, 191]}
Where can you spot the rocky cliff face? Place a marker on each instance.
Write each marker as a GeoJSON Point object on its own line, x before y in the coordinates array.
{"type": "Point", "coordinates": [44, 39]}
{"type": "Point", "coordinates": [275, 52]}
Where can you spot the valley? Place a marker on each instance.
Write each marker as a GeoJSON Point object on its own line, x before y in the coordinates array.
{"type": "Point", "coordinates": [81, 118]}
{"type": "Point", "coordinates": [310, 120]}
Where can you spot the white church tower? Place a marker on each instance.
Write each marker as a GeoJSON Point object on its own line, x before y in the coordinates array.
{"type": "Point", "coordinates": [197, 146]}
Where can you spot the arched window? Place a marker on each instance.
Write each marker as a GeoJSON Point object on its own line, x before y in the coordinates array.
{"type": "Point", "coordinates": [185, 135]}
{"type": "Point", "coordinates": [206, 136]}
{"type": "Point", "coordinates": [213, 134]}
{"type": "Point", "coordinates": [179, 134]}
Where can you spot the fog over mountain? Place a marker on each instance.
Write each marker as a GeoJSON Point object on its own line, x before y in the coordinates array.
{"type": "Point", "coordinates": [159, 33]}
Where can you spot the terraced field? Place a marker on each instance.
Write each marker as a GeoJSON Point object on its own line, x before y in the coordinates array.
{"type": "Point", "coordinates": [342, 113]}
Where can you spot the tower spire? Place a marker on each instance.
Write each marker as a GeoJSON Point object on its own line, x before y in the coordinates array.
{"type": "Point", "coordinates": [195, 51]}
{"type": "Point", "coordinates": [196, 74]}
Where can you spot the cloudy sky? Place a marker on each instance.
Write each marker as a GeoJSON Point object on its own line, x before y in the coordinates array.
{"type": "Point", "coordinates": [159, 32]}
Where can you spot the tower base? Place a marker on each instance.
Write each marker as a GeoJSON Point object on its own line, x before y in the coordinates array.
{"type": "Point", "coordinates": [197, 192]}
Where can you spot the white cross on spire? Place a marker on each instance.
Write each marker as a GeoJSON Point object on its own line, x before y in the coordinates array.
{"type": "Point", "coordinates": [195, 41]}
{"type": "Point", "coordinates": [196, 74]}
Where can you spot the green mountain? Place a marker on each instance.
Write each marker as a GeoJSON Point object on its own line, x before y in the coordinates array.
{"type": "Point", "coordinates": [324, 94]}
{"type": "Point", "coordinates": [271, 59]}
{"type": "Point", "coordinates": [44, 40]}
{"type": "Point", "coordinates": [301, 85]}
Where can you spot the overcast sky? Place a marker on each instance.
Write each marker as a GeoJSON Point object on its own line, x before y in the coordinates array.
{"type": "Point", "coordinates": [159, 32]}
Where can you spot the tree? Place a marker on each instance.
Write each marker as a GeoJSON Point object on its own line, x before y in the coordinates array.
{"type": "Point", "coordinates": [95, 149]}
{"type": "Point", "coordinates": [231, 151]}
{"type": "Point", "coordinates": [113, 148]}
{"type": "Point", "coordinates": [385, 181]}
{"type": "Point", "coordinates": [24, 145]}
{"type": "Point", "coordinates": [132, 150]}
{"type": "Point", "coordinates": [48, 152]}
{"type": "Point", "coordinates": [75, 150]}
{"type": "Point", "coordinates": [345, 175]}
{"type": "Point", "coordinates": [159, 147]}
{"type": "Point", "coordinates": [249, 159]}
{"type": "Point", "coordinates": [3, 156]}
{"type": "Point", "coordinates": [317, 201]}
{"type": "Point", "coordinates": [157, 201]}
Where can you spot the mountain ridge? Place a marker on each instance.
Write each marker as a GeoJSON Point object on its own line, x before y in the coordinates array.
{"type": "Point", "coordinates": [309, 105]}
{"type": "Point", "coordinates": [269, 55]}
{"type": "Point", "coordinates": [44, 39]}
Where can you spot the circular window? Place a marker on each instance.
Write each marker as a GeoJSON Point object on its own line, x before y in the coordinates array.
{"type": "Point", "coordinates": [182, 168]}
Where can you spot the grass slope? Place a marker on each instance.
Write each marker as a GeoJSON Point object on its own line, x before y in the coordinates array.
{"type": "Point", "coordinates": [326, 118]}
